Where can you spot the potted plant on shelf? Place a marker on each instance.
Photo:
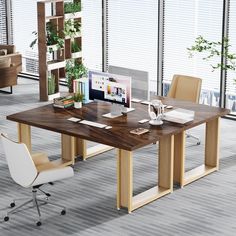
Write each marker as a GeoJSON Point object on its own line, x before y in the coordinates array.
{"type": "Point", "coordinates": [74, 70]}
{"type": "Point", "coordinates": [75, 50]}
{"type": "Point", "coordinates": [53, 39]}
{"type": "Point", "coordinates": [71, 8]}
{"type": "Point", "coordinates": [71, 28]}
{"type": "Point", "coordinates": [78, 99]}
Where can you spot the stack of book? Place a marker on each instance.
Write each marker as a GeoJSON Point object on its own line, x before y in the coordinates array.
{"type": "Point", "coordinates": [63, 102]}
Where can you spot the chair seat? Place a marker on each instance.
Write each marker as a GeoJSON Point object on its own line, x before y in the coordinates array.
{"type": "Point", "coordinates": [53, 175]}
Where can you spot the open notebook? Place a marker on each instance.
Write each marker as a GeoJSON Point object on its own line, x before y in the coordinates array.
{"type": "Point", "coordinates": [179, 115]}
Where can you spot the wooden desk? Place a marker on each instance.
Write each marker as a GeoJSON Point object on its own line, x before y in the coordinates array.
{"type": "Point", "coordinates": [171, 139]}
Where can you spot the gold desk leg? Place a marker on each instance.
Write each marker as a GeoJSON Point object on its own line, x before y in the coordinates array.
{"type": "Point", "coordinates": [68, 148]}
{"type": "Point", "coordinates": [211, 155]}
{"type": "Point", "coordinates": [124, 179]}
{"type": "Point", "coordinates": [81, 148]}
{"type": "Point", "coordinates": [212, 143]}
{"type": "Point", "coordinates": [165, 167]}
{"type": "Point", "coordinates": [24, 135]}
{"type": "Point", "coordinates": [125, 196]}
{"type": "Point", "coordinates": [179, 158]}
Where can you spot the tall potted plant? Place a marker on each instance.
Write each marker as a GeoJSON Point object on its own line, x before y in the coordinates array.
{"type": "Point", "coordinates": [74, 70]}
{"type": "Point", "coordinates": [213, 49]}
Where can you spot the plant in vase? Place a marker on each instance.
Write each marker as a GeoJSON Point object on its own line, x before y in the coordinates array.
{"type": "Point", "coordinates": [74, 70]}
{"type": "Point", "coordinates": [78, 99]}
{"type": "Point", "coordinates": [51, 84]}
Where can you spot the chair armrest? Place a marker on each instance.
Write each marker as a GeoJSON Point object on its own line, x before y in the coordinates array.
{"type": "Point", "coordinates": [40, 158]}
{"type": "Point", "coordinates": [16, 60]}
{"type": "Point", "coordinates": [52, 175]}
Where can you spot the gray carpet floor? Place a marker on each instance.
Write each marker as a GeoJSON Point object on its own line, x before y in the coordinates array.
{"type": "Point", "coordinates": [205, 207]}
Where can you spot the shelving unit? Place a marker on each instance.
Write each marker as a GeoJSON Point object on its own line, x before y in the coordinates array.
{"type": "Point", "coordinates": [56, 64]}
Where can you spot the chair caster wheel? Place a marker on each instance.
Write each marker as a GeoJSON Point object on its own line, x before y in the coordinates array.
{"type": "Point", "coordinates": [63, 212]}
{"type": "Point", "coordinates": [12, 205]}
{"type": "Point", "coordinates": [6, 218]}
{"type": "Point", "coordinates": [39, 223]}
{"type": "Point", "coordinates": [198, 143]}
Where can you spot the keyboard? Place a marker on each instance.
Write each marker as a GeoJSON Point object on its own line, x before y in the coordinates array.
{"type": "Point", "coordinates": [91, 123]}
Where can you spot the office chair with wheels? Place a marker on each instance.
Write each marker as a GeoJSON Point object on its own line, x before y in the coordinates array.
{"type": "Point", "coordinates": [186, 88]}
{"type": "Point", "coordinates": [32, 171]}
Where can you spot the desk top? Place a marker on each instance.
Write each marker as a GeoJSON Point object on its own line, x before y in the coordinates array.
{"type": "Point", "coordinates": [55, 119]}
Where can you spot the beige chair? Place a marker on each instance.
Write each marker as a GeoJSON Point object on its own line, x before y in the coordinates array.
{"type": "Point", "coordinates": [10, 66]}
{"type": "Point", "coordinates": [32, 171]}
{"type": "Point", "coordinates": [186, 88]}
{"type": "Point", "coordinates": [16, 58]}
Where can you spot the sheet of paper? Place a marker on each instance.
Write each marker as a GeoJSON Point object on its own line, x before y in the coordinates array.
{"type": "Point", "coordinates": [179, 115]}
{"type": "Point", "coordinates": [74, 119]}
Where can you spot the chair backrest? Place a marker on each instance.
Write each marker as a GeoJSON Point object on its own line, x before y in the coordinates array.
{"type": "Point", "coordinates": [10, 48]}
{"type": "Point", "coordinates": [185, 88]}
{"type": "Point", "coordinates": [20, 163]}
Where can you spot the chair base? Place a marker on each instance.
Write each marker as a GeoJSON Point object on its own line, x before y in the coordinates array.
{"type": "Point", "coordinates": [188, 135]}
{"type": "Point", "coordinates": [35, 202]}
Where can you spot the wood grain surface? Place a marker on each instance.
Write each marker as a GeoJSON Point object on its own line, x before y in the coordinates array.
{"type": "Point", "coordinates": [55, 119]}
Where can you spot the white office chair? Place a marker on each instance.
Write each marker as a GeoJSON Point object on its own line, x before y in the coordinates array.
{"type": "Point", "coordinates": [32, 172]}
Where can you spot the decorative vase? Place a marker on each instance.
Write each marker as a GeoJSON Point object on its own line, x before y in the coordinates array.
{"type": "Point", "coordinates": [77, 104]}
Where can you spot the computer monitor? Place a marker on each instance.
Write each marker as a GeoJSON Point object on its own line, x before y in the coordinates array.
{"type": "Point", "coordinates": [111, 88]}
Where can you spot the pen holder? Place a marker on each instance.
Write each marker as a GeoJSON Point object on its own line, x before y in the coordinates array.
{"type": "Point", "coordinates": [156, 111]}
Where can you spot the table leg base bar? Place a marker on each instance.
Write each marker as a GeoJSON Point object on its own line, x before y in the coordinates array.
{"type": "Point", "coordinates": [148, 196]}
{"type": "Point", "coordinates": [97, 149]}
{"type": "Point", "coordinates": [197, 173]}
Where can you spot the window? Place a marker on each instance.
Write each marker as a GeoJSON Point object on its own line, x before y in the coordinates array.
{"type": "Point", "coordinates": [132, 36]}
{"type": "Point", "coordinates": [3, 22]}
{"type": "Point", "coordinates": [183, 22]}
{"type": "Point", "coordinates": [231, 76]}
{"type": "Point", "coordinates": [92, 33]}
{"type": "Point", "coordinates": [24, 22]}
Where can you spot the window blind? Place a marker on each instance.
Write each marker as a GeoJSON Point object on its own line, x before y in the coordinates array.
{"type": "Point", "coordinates": [24, 22]}
{"type": "Point", "coordinates": [231, 76]}
{"type": "Point", "coordinates": [3, 22]}
{"type": "Point", "coordinates": [183, 22]}
{"type": "Point", "coordinates": [92, 33]}
{"type": "Point", "coordinates": [132, 36]}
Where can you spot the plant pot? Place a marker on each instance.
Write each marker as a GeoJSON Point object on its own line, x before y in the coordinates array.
{"type": "Point", "coordinates": [77, 105]}
{"type": "Point", "coordinates": [76, 54]}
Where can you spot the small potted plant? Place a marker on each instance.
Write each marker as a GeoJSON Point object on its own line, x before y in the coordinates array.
{"type": "Point", "coordinates": [78, 99]}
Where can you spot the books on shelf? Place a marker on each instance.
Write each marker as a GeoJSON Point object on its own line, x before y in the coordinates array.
{"type": "Point", "coordinates": [63, 102]}
{"type": "Point", "coordinates": [81, 86]}
{"type": "Point", "coordinates": [179, 115]}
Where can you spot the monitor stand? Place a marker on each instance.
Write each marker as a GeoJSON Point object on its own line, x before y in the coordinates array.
{"type": "Point", "coordinates": [117, 110]}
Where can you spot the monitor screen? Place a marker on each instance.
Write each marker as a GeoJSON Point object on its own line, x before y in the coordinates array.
{"type": "Point", "coordinates": [110, 87]}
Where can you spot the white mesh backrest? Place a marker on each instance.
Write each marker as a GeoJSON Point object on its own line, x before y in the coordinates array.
{"type": "Point", "coordinates": [20, 163]}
